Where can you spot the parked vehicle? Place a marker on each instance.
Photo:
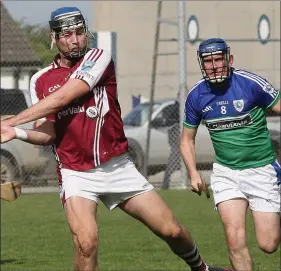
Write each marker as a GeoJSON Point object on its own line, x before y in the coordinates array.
{"type": "Point", "coordinates": [19, 160]}
{"type": "Point", "coordinates": [164, 115]}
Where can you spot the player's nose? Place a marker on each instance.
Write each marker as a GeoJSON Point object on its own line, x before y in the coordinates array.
{"type": "Point", "coordinates": [215, 64]}
{"type": "Point", "coordinates": [74, 38]}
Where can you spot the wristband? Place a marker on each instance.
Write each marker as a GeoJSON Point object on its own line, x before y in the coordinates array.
{"type": "Point", "coordinates": [20, 134]}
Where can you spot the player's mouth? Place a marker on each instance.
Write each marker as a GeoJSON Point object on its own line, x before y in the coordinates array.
{"type": "Point", "coordinates": [217, 72]}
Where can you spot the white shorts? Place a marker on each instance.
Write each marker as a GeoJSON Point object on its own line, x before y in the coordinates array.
{"type": "Point", "coordinates": [259, 186]}
{"type": "Point", "coordinates": [112, 182]}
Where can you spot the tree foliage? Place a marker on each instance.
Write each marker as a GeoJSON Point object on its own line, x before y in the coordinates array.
{"type": "Point", "coordinates": [39, 36]}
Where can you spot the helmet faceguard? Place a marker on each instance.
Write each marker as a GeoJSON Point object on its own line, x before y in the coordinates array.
{"type": "Point", "coordinates": [207, 50]}
{"type": "Point", "coordinates": [67, 20]}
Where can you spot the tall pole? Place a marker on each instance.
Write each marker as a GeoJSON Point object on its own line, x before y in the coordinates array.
{"type": "Point", "coordinates": [152, 90]}
{"type": "Point", "coordinates": [182, 75]}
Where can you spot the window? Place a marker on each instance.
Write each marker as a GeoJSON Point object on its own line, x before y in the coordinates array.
{"type": "Point", "coordinates": [139, 115]}
{"type": "Point", "coordinates": [169, 115]}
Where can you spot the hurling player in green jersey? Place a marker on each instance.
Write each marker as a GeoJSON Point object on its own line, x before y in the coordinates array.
{"type": "Point", "coordinates": [233, 104]}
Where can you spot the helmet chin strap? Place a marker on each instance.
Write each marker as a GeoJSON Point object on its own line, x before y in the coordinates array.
{"type": "Point", "coordinates": [76, 55]}
{"type": "Point", "coordinates": [53, 34]}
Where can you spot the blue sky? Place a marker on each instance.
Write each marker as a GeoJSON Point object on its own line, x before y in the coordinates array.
{"type": "Point", "coordinates": [38, 12]}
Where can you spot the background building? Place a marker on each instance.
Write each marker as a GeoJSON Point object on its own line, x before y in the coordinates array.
{"type": "Point", "coordinates": [127, 29]}
{"type": "Point", "coordinates": [135, 24]}
{"type": "Point", "coordinates": [18, 60]}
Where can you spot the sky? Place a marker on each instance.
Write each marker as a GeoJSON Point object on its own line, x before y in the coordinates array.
{"type": "Point", "coordinates": [38, 12]}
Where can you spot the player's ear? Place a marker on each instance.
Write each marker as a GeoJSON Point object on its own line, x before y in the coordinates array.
{"type": "Point", "coordinates": [231, 59]}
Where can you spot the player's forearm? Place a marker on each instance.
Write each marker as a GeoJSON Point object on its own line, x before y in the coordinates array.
{"type": "Point", "coordinates": [53, 103]}
{"type": "Point", "coordinates": [277, 107]}
{"type": "Point", "coordinates": [187, 149]}
{"type": "Point", "coordinates": [38, 137]}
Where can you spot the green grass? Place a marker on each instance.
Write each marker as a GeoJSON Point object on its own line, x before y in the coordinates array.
{"type": "Point", "coordinates": [35, 236]}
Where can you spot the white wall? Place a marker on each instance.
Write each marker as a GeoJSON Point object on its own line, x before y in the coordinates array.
{"type": "Point", "coordinates": [135, 25]}
{"type": "Point", "coordinates": [7, 80]}
{"type": "Point", "coordinates": [24, 80]}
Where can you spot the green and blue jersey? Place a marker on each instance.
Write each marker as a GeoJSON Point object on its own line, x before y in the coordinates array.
{"type": "Point", "coordinates": [235, 117]}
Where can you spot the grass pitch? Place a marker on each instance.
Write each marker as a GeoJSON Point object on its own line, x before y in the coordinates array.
{"type": "Point", "coordinates": [35, 236]}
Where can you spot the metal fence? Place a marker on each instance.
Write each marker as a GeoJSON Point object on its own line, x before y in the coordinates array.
{"type": "Point", "coordinates": [30, 164]}
{"type": "Point", "coordinates": [36, 165]}
{"type": "Point", "coordinates": [257, 51]}
{"type": "Point", "coordinates": [24, 51]}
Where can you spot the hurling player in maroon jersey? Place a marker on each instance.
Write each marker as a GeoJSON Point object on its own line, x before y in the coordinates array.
{"type": "Point", "coordinates": [75, 103]}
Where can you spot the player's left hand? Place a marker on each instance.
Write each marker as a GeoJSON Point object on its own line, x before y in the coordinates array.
{"type": "Point", "coordinates": [196, 184]}
{"type": "Point", "coordinates": [7, 133]}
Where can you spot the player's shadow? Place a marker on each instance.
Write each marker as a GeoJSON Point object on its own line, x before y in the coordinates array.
{"type": "Point", "coordinates": [2, 262]}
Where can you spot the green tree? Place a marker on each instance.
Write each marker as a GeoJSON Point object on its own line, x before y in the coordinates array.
{"type": "Point", "coordinates": [40, 40]}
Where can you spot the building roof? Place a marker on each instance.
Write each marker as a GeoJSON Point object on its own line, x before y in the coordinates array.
{"type": "Point", "coordinates": [15, 47]}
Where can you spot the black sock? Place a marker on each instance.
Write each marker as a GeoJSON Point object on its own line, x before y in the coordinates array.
{"type": "Point", "coordinates": [193, 259]}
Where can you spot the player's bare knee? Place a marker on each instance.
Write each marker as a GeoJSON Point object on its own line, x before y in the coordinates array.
{"type": "Point", "coordinates": [269, 246]}
{"type": "Point", "coordinates": [177, 231]}
{"type": "Point", "coordinates": [86, 244]}
{"type": "Point", "coordinates": [171, 230]}
{"type": "Point", "coordinates": [236, 239]}
{"type": "Point", "coordinates": [88, 247]}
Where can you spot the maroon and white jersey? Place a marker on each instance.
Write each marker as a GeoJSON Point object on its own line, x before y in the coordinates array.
{"type": "Point", "coordinates": [89, 131]}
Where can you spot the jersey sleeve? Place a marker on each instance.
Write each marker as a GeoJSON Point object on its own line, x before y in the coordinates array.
{"type": "Point", "coordinates": [93, 67]}
{"type": "Point", "coordinates": [264, 93]}
{"type": "Point", "coordinates": [36, 94]}
{"type": "Point", "coordinates": [192, 116]}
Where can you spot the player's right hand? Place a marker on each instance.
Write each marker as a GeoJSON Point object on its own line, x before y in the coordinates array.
{"type": "Point", "coordinates": [196, 184]}
{"type": "Point", "coordinates": [7, 133]}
